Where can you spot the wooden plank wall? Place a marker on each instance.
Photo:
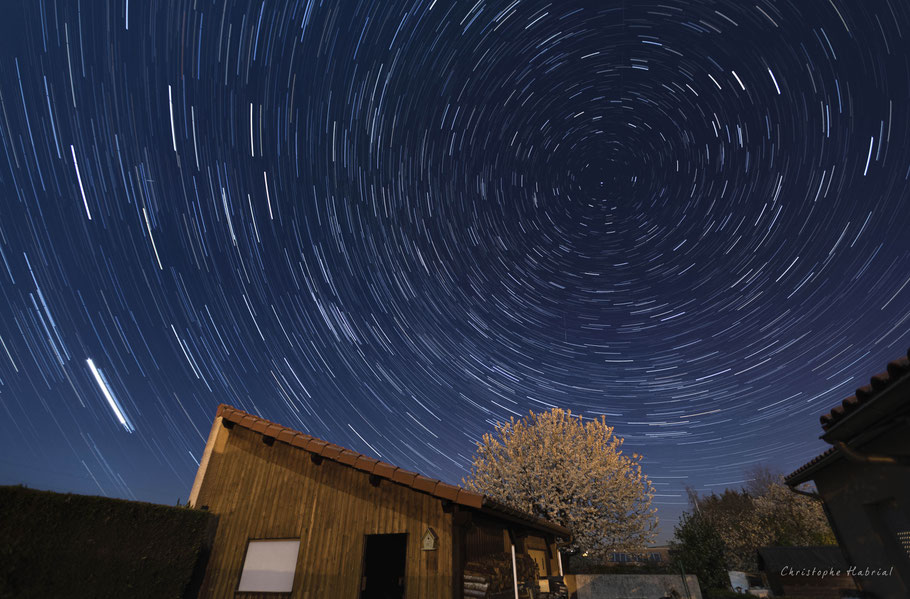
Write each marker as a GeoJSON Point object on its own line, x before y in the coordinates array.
{"type": "Point", "coordinates": [261, 491]}
{"type": "Point", "coordinates": [483, 539]}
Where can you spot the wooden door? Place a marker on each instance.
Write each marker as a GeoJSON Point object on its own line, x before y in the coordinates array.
{"type": "Point", "coordinates": [384, 566]}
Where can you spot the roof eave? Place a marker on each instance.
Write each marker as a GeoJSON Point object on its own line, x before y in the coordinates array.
{"type": "Point", "coordinates": [806, 472]}
{"type": "Point", "coordinates": [500, 510]}
{"type": "Point", "coordinates": [885, 405]}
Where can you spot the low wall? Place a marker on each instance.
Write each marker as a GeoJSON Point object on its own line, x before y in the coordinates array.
{"type": "Point", "coordinates": [630, 586]}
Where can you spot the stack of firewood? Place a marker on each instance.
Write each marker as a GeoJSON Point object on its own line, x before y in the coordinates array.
{"type": "Point", "coordinates": [475, 585]}
{"type": "Point", "coordinates": [491, 577]}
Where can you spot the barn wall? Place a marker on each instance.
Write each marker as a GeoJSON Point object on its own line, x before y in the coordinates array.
{"type": "Point", "coordinates": [483, 539]}
{"type": "Point", "coordinates": [276, 491]}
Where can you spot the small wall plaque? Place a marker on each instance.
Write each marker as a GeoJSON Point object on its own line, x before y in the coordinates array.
{"type": "Point", "coordinates": [428, 541]}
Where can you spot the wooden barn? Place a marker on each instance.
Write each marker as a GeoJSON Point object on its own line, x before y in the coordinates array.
{"type": "Point", "coordinates": [305, 518]}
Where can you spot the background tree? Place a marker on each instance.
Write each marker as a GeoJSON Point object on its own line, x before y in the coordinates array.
{"type": "Point", "coordinates": [700, 550]}
{"type": "Point", "coordinates": [732, 516]}
{"type": "Point", "coordinates": [555, 466]}
{"type": "Point", "coordinates": [791, 519]}
{"type": "Point", "coordinates": [760, 478]}
{"type": "Point", "coordinates": [763, 514]}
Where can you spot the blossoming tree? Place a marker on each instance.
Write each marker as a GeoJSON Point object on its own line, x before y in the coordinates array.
{"type": "Point", "coordinates": [556, 466]}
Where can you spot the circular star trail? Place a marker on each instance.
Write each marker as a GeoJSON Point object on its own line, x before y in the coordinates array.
{"type": "Point", "coordinates": [393, 224]}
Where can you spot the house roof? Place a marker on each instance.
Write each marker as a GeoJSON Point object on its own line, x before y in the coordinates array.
{"type": "Point", "coordinates": [898, 370]}
{"type": "Point", "coordinates": [364, 463]}
{"type": "Point", "coordinates": [804, 472]}
{"type": "Point", "coordinates": [880, 382]}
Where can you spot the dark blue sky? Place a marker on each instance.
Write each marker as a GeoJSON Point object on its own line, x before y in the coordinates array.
{"type": "Point", "coordinates": [393, 224]}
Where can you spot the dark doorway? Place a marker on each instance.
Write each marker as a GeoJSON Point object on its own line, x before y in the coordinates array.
{"type": "Point", "coordinates": [383, 567]}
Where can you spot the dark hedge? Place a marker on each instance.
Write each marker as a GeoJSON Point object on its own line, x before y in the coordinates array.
{"type": "Point", "coordinates": [64, 545]}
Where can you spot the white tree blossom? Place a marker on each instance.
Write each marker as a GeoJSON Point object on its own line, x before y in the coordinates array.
{"type": "Point", "coordinates": [555, 466]}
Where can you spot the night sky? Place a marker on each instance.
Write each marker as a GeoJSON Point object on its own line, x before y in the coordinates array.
{"type": "Point", "coordinates": [391, 224]}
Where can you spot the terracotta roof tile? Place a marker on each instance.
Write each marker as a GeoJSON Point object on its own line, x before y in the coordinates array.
{"type": "Point", "coordinates": [285, 435]}
{"type": "Point", "coordinates": [314, 445]}
{"type": "Point", "coordinates": [427, 485]}
{"type": "Point", "coordinates": [273, 429]}
{"type": "Point", "coordinates": [365, 463]}
{"type": "Point", "coordinates": [384, 470]}
{"type": "Point", "coordinates": [880, 381]}
{"type": "Point", "coordinates": [811, 463]}
{"type": "Point", "coordinates": [469, 498]}
{"type": "Point", "coordinates": [347, 457]}
{"type": "Point", "coordinates": [331, 451]}
{"type": "Point", "coordinates": [899, 367]}
{"type": "Point", "coordinates": [896, 369]}
{"type": "Point", "coordinates": [865, 392]}
{"type": "Point", "coordinates": [445, 491]}
{"type": "Point", "coordinates": [850, 403]}
{"type": "Point", "coordinates": [404, 477]}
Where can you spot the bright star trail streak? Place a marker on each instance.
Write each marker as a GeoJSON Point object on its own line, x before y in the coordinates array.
{"type": "Point", "coordinates": [106, 391]}
{"type": "Point", "coordinates": [79, 178]}
{"type": "Point", "coordinates": [393, 224]}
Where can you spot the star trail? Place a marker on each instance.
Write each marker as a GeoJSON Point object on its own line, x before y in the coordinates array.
{"type": "Point", "coordinates": [393, 224]}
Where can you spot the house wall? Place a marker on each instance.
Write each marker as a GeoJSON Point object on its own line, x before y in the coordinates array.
{"type": "Point", "coordinates": [261, 491]}
{"type": "Point", "coordinates": [622, 586]}
{"type": "Point", "coordinates": [856, 496]}
{"type": "Point", "coordinates": [811, 587]}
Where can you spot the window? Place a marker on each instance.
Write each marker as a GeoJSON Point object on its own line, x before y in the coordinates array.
{"type": "Point", "coordinates": [893, 526]}
{"type": "Point", "coordinates": [269, 566]}
{"type": "Point", "coordinates": [655, 557]}
{"type": "Point", "coordinates": [904, 538]}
